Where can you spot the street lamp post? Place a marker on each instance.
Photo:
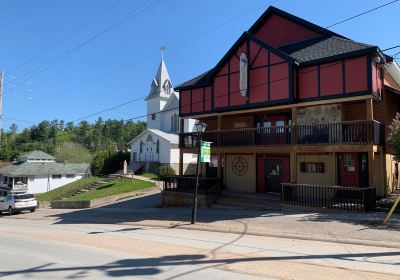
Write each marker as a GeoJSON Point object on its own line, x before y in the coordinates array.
{"type": "Point", "coordinates": [200, 127]}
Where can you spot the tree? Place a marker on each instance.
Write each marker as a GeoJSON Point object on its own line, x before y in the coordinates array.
{"type": "Point", "coordinates": [394, 136]}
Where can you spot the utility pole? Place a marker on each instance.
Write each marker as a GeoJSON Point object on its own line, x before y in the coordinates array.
{"type": "Point", "coordinates": [1, 99]}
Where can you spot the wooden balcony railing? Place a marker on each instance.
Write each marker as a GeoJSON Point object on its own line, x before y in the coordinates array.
{"type": "Point", "coordinates": [328, 197]}
{"type": "Point", "coordinates": [343, 133]}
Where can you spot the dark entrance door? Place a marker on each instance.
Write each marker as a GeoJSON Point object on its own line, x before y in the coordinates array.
{"type": "Point", "coordinates": [274, 175]}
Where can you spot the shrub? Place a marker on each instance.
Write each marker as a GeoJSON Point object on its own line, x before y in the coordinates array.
{"type": "Point", "coordinates": [107, 162]}
{"type": "Point", "coordinates": [165, 171]}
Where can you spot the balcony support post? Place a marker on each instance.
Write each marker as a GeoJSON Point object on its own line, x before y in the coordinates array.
{"type": "Point", "coordinates": [181, 131]}
{"type": "Point", "coordinates": [370, 109]}
{"type": "Point", "coordinates": [371, 157]}
{"type": "Point", "coordinates": [218, 145]}
{"type": "Point", "coordinates": [293, 167]}
{"type": "Point", "coordinates": [370, 117]}
{"type": "Point", "coordinates": [294, 126]}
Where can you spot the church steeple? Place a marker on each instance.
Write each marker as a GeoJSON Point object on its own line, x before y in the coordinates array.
{"type": "Point", "coordinates": [161, 85]}
{"type": "Point", "coordinates": [160, 94]}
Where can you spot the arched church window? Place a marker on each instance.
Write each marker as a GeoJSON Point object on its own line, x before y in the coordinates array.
{"type": "Point", "coordinates": [149, 138]}
{"type": "Point", "coordinates": [141, 146]}
{"type": "Point", "coordinates": [158, 146]}
{"type": "Point", "coordinates": [172, 123]}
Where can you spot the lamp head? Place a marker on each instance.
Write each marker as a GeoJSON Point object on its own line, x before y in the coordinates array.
{"type": "Point", "coordinates": [200, 126]}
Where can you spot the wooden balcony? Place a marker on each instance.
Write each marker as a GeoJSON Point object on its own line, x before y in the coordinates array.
{"type": "Point", "coordinates": [327, 134]}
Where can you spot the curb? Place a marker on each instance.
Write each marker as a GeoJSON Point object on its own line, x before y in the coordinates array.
{"type": "Point", "coordinates": [368, 243]}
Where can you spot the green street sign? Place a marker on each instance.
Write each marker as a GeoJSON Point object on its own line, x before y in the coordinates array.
{"type": "Point", "coordinates": [205, 151]}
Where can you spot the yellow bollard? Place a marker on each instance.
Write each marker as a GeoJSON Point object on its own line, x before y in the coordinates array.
{"type": "Point", "coordinates": [392, 210]}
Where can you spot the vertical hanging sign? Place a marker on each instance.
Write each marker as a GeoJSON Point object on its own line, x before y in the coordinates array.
{"type": "Point", "coordinates": [205, 151]}
{"type": "Point", "coordinates": [243, 74]}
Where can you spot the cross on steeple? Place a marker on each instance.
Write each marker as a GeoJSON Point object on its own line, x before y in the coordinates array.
{"type": "Point", "coordinates": [162, 52]}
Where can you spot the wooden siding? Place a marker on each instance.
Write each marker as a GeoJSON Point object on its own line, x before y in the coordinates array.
{"type": "Point", "coordinates": [274, 31]}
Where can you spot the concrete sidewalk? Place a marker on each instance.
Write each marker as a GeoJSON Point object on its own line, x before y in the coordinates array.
{"type": "Point", "coordinates": [339, 227]}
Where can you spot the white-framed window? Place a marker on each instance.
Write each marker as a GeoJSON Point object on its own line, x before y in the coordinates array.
{"type": "Point", "coordinates": [70, 175]}
{"type": "Point", "coordinates": [56, 176]}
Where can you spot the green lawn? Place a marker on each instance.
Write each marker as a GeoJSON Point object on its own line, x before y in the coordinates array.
{"type": "Point", "coordinates": [117, 186]}
{"type": "Point", "coordinates": [150, 175]}
{"type": "Point", "coordinates": [67, 190]}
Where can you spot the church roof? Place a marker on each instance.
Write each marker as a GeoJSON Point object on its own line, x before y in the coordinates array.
{"type": "Point", "coordinates": [162, 76]}
{"type": "Point", "coordinates": [172, 103]}
{"type": "Point", "coordinates": [172, 138]}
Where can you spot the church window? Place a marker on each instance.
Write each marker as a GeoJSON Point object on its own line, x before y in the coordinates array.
{"type": "Point", "coordinates": [176, 125]}
{"type": "Point", "coordinates": [149, 138]}
{"type": "Point", "coordinates": [158, 147]}
{"type": "Point", "coordinates": [172, 123]}
{"type": "Point", "coordinates": [141, 146]}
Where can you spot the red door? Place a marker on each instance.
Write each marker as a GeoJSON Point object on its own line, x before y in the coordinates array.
{"type": "Point", "coordinates": [261, 174]}
{"type": "Point", "coordinates": [349, 169]}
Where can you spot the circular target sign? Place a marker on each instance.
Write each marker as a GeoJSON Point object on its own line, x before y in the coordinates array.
{"type": "Point", "coordinates": [239, 166]}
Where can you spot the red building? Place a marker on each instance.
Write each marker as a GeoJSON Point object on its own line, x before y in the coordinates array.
{"type": "Point", "coordinates": [294, 102]}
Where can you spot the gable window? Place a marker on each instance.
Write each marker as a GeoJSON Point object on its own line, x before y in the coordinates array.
{"type": "Point", "coordinates": [141, 147]}
{"type": "Point", "coordinates": [158, 147]}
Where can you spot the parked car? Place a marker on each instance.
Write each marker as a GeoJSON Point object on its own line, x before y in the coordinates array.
{"type": "Point", "coordinates": [15, 203]}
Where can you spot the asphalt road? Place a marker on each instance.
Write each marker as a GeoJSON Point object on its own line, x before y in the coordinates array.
{"type": "Point", "coordinates": [43, 246]}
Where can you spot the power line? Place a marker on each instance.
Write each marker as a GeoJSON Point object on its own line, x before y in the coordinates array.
{"type": "Point", "coordinates": [105, 74]}
{"type": "Point", "coordinates": [363, 13]}
{"type": "Point", "coordinates": [391, 48]}
{"type": "Point", "coordinates": [111, 27]}
{"type": "Point", "coordinates": [109, 109]}
{"type": "Point", "coordinates": [80, 27]}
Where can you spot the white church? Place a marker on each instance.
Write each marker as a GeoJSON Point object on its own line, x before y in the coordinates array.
{"type": "Point", "coordinates": [159, 143]}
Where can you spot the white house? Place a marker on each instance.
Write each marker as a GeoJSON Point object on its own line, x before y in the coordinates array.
{"type": "Point", "coordinates": [38, 172]}
{"type": "Point", "coordinates": [159, 142]}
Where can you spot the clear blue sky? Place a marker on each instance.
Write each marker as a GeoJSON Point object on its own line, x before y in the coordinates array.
{"type": "Point", "coordinates": [27, 27]}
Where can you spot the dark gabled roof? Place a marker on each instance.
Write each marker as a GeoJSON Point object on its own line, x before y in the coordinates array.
{"type": "Point", "coordinates": [200, 80]}
{"type": "Point", "coordinates": [310, 51]}
{"type": "Point", "coordinates": [273, 10]}
{"type": "Point", "coordinates": [329, 46]}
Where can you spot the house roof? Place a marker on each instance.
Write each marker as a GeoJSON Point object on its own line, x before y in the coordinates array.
{"type": "Point", "coordinates": [36, 154]}
{"type": "Point", "coordinates": [44, 169]}
{"type": "Point", "coordinates": [173, 138]}
{"type": "Point", "coordinates": [326, 47]}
